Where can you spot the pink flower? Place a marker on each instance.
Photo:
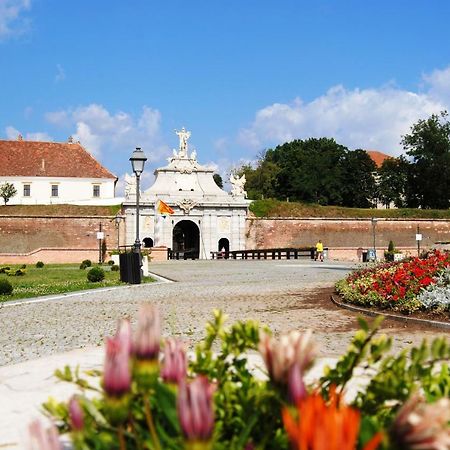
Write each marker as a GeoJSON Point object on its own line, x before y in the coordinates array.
{"type": "Point", "coordinates": [175, 366]}
{"type": "Point", "coordinates": [280, 355]}
{"type": "Point", "coordinates": [117, 376]}
{"type": "Point", "coordinates": [41, 438]}
{"type": "Point", "coordinates": [422, 426]}
{"type": "Point", "coordinates": [76, 414]}
{"type": "Point", "coordinates": [195, 409]}
{"type": "Point", "coordinates": [148, 334]}
{"type": "Point", "coordinates": [123, 333]}
{"type": "Point", "coordinates": [296, 386]}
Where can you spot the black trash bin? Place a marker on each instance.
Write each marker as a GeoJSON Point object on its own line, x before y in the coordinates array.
{"type": "Point", "coordinates": [313, 252]}
{"type": "Point", "coordinates": [130, 268]}
{"type": "Point", "coordinates": [364, 256]}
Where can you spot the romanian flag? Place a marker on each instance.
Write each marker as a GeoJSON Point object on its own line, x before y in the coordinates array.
{"type": "Point", "coordinates": [164, 208]}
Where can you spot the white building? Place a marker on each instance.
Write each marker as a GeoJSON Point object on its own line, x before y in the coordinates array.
{"type": "Point", "coordinates": [205, 218]}
{"type": "Point", "coordinates": [46, 173]}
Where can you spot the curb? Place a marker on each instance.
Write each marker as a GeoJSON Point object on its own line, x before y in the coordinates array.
{"type": "Point", "coordinates": [368, 312]}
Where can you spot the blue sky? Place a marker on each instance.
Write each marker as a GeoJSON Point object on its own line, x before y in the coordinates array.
{"type": "Point", "coordinates": [242, 75]}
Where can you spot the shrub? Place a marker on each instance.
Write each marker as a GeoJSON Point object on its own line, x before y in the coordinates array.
{"type": "Point", "coordinates": [83, 266]}
{"type": "Point", "coordinates": [115, 268]}
{"type": "Point", "coordinates": [5, 269]}
{"type": "Point", "coordinates": [111, 262]}
{"type": "Point", "coordinates": [96, 274]}
{"type": "Point", "coordinates": [87, 263]}
{"type": "Point", "coordinates": [23, 266]}
{"type": "Point", "coordinates": [391, 247]}
{"type": "Point", "coordinates": [6, 287]}
{"type": "Point", "coordinates": [39, 265]}
{"type": "Point", "coordinates": [18, 272]}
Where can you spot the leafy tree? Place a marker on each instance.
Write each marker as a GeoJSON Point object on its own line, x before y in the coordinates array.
{"type": "Point", "coordinates": [359, 187]}
{"type": "Point", "coordinates": [310, 170]}
{"type": "Point", "coordinates": [218, 180]}
{"type": "Point", "coordinates": [393, 176]}
{"type": "Point", "coordinates": [428, 145]}
{"type": "Point", "coordinates": [7, 191]}
{"type": "Point", "coordinates": [262, 180]}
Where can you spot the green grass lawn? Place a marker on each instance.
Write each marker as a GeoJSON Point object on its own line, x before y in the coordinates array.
{"type": "Point", "coordinates": [56, 279]}
{"type": "Point", "coordinates": [276, 208]}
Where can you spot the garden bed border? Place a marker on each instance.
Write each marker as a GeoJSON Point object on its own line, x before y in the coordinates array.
{"type": "Point", "coordinates": [369, 312]}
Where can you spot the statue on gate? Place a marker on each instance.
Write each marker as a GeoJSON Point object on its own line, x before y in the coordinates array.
{"type": "Point", "coordinates": [238, 184]}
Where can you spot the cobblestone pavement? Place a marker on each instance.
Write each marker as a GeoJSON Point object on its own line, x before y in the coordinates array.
{"type": "Point", "coordinates": [278, 293]}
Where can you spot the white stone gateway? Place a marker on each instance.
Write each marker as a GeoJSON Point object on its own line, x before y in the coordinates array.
{"type": "Point", "coordinates": [205, 218]}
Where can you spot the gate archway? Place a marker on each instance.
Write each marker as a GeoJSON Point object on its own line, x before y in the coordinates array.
{"type": "Point", "coordinates": [186, 239]}
{"type": "Point", "coordinates": [224, 245]}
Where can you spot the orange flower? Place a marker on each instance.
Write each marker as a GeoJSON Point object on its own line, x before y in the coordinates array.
{"type": "Point", "coordinates": [322, 426]}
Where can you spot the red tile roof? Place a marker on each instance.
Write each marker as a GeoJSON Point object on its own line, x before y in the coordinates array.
{"type": "Point", "coordinates": [48, 159]}
{"type": "Point", "coordinates": [378, 157]}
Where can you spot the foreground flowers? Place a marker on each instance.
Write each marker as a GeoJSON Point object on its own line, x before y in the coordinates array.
{"type": "Point", "coordinates": [322, 426]}
{"type": "Point", "coordinates": [215, 401]}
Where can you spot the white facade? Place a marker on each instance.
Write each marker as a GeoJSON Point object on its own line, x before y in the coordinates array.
{"type": "Point", "coordinates": [59, 190]}
{"type": "Point", "coordinates": [203, 213]}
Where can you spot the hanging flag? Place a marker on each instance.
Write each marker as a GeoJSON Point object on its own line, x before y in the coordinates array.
{"type": "Point", "coordinates": [164, 208]}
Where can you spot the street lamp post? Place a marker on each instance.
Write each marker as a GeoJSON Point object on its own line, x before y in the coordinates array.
{"type": "Point", "coordinates": [117, 221]}
{"type": "Point", "coordinates": [137, 159]}
{"type": "Point", "coordinates": [374, 224]}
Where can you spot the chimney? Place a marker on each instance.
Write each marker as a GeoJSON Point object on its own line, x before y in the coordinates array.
{"type": "Point", "coordinates": [20, 137]}
{"type": "Point", "coordinates": [70, 140]}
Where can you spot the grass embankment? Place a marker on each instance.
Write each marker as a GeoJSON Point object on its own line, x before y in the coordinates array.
{"type": "Point", "coordinates": [58, 210]}
{"type": "Point", "coordinates": [276, 208]}
{"type": "Point", "coordinates": [56, 279]}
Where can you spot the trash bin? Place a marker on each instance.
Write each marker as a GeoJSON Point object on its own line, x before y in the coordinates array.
{"type": "Point", "coordinates": [364, 256]}
{"type": "Point", "coordinates": [130, 268]}
{"type": "Point", "coordinates": [313, 252]}
{"type": "Point", "coordinates": [325, 253]}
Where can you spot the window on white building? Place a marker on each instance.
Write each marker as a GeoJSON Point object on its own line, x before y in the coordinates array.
{"type": "Point", "coordinates": [54, 190]}
{"type": "Point", "coordinates": [26, 190]}
{"type": "Point", "coordinates": [96, 190]}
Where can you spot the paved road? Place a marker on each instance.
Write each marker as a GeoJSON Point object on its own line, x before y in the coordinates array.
{"type": "Point", "coordinates": [277, 293]}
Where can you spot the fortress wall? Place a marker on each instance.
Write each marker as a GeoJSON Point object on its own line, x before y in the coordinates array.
{"type": "Point", "coordinates": [344, 236]}
{"type": "Point", "coordinates": [53, 239]}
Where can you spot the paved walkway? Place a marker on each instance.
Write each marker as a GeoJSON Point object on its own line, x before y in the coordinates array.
{"type": "Point", "coordinates": [37, 336]}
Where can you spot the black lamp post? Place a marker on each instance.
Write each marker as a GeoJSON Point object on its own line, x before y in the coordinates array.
{"type": "Point", "coordinates": [137, 159]}
{"type": "Point", "coordinates": [374, 224]}
{"type": "Point", "coordinates": [117, 221]}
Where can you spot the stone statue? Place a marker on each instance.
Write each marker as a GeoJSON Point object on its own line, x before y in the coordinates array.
{"type": "Point", "coordinates": [130, 185]}
{"type": "Point", "coordinates": [194, 155]}
{"type": "Point", "coordinates": [238, 186]}
{"type": "Point", "coordinates": [184, 136]}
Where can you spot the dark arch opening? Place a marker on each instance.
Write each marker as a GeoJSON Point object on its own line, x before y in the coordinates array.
{"type": "Point", "coordinates": [186, 239]}
{"type": "Point", "coordinates": [148, 242]}
{"type": "Point", "coordinates": [224, 245]}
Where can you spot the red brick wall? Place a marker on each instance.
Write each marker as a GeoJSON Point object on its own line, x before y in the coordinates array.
{"type": "Point", "coordinates": [24, 235]}
{"type": "Point", "coordinates": [344, 235]}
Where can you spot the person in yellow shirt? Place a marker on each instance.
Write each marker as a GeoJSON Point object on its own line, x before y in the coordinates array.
{"type": "Point", "coordinates": [319, 251]}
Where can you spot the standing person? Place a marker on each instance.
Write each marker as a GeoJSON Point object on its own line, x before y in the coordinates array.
{"type": "Point", "coordinates": [319, 251]}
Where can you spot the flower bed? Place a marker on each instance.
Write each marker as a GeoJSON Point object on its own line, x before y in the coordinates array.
{"type": "Point", "coordinates": [405, 286]}
{"type": "Point", "coordinates": [217, 402]}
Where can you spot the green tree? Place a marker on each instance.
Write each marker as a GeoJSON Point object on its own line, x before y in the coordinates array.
{"type": "Point", "coordinates": [218, 180]}
{"type": "Point", "coordinates": [7, 191]}
{"type": "Point", "coordinates": [261, 180]}
{"type": "Point", "coordinates": [393, 176]}
{"type": "Point", "coordinates": [428, 145]}
{"type": "Point", "coordinates": [359, 187]}
{"type": "Point", "coordinates": [310, 170]}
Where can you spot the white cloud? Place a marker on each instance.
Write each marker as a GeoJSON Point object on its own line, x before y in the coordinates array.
{"type": "Point", "coordinates": [11, 21]}
{"type": "Point", "coordinates": [102, 132]}
{"type": "Point", "coordinates": [13, 133]}
{"type": "Point", "coordinates": [359, 118]}
{"type": "Point", "coordinates": [60, 73]}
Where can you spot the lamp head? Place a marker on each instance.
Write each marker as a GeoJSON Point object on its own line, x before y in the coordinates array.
{"type": "Point", "coordinates": [138, 159]}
